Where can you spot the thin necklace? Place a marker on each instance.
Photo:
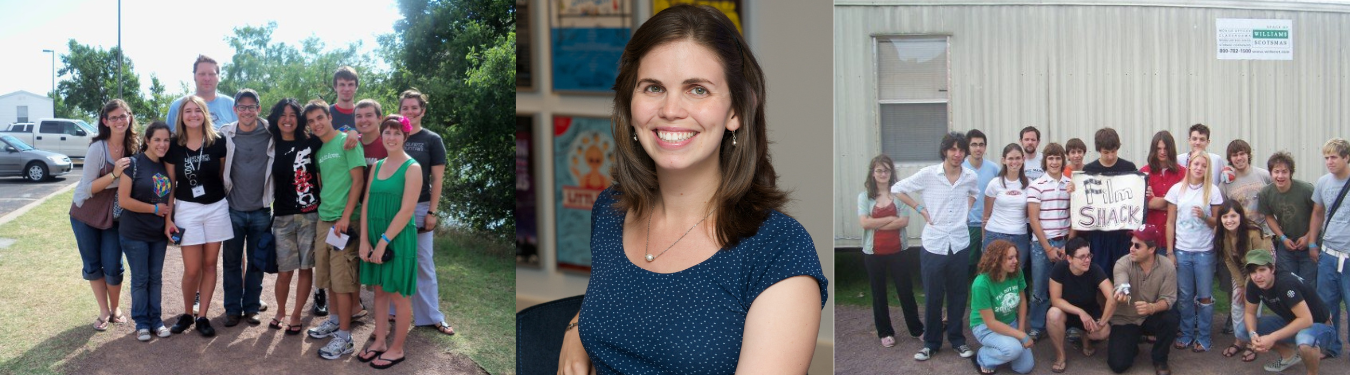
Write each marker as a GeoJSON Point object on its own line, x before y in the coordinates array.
{"type": "Point", "coordinates": [647, 248]}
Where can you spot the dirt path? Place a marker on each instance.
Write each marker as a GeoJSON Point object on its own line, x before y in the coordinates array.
{"type": "Point", "coordinates": [245, 348]}
{"type": "Point", "coordinates": [858, 351]}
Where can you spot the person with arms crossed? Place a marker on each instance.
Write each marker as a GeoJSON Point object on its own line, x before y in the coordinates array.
{"type": "Point", "coordinates": [884, 240]}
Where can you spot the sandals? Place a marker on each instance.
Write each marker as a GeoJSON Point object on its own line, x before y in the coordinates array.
{"type": "Point", "coordinates": [1088, 349]}
{"type": "Point", "coordinates": [444, 328]}
{"type": "Point", "coordinates": [1059, 367]}
{"type": "Point", "coordinates": [392, 362]}
{"type": "Point", "coordinates": [1197, 348]}
{"type": "Point", "coordinates": [363, 358]}
{"type": "Point", "coordinates": [294, 330]}
{"type": "Point", "coordinates": [100, 324]}
{"type": "Point", "coordinates": [118, 318]}
{"type": "Point", "coordinates": [974, 360]}
{"type": "Point", "coordinates": [1248, 355]}
{"type": "Point", "coordinates": [1231, 350]}
{"type": "Point", "coordinates": [275, 324]}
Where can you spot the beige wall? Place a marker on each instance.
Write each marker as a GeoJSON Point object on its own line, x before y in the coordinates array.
{"type": "Point", "coordinates": [798, 110]}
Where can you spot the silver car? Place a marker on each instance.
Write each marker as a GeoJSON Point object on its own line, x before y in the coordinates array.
{"type": "Point", "coordinates": [20, 159]}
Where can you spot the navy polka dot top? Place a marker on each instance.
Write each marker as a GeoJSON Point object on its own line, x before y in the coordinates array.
{"type": "Point", "coordinates": [635, 321]}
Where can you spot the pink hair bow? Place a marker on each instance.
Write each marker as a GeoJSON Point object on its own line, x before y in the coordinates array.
{"type": "Point", "coordinates": [407, 126]}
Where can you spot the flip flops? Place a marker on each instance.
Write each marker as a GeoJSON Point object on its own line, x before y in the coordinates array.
{"type": "Point", "coordinates": [362, 357]}
{"type": "Point", "coordinates": [391, 363]}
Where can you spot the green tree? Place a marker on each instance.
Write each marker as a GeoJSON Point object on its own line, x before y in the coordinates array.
{"type": "Point", "coordinates": [93, 82]}
{"type": "Point", "coordinates": [304, 72]}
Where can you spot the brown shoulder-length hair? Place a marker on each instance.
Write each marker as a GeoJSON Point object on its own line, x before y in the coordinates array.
{"type": "Point", "coordinates": [871, 184]}
{"type": "Point", "coordinates": [748, 189]}
{"type": "Point", "coordinates": [991, 263]}
{"type": "Point", "coordinates": [1157, 165]}
{"type": "Point", "coordinates": [130, 142]}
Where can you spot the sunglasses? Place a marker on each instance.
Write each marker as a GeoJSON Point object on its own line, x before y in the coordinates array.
{"type": "Point", "coordinates": [1137, 245]}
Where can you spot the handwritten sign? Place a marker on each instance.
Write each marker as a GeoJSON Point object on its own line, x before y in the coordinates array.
{"type": "Point", "coordinates": [1104, 202]}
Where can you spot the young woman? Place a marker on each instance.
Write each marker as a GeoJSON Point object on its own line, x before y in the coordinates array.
{"type": "Point", "coordinates": [1162, 173]}
{"type": "Point", "coordinates": [998, 311]}
{"type": "Point", "coordinates": [1235, 236]}
{"type": "Point", "coordinates": [201, 217]}
{"type": "Point", "coordinates": [145, 202]}
{"type": "Point", "coordinates": [884, 239]}
{"type": "Point", "coordinates": [689, 246]}
{"type": "Point", "coordinates": [1005, 206]}
{"type": "Point", "coordinates": [91, 212]}
{"type": "Point", "coordinates": [1192, 213]}
{"type": "Point", "coordinates": [390, 200]}
{"type": "Point", "coordinates": [427, 148]}
{"type": "Point", "coordinates": [296, 177]}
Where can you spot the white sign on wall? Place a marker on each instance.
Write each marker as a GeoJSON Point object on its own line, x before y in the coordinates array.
{"type": "Point", "coordinates": [1107, 201]}
{"type": "Point", "coordinates": [1247, 39]}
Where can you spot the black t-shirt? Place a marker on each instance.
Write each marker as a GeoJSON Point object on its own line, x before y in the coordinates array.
{"type": "Point", "coordinates": [296, 175]}
{"type": "Point", "coordinates": [427, 149]}
{"type": "Point", "coordinates": [1122, 165]}
{"type": "Point", "coordinates": [194, 168]}
{"type": "Point", "coordinates": [149, 184]}
{"type": "Point", "coordinates": [1080, 290]}
{"type": "Point", "coordinates": [1287, 292]}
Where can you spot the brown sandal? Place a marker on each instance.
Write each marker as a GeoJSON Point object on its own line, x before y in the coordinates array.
{"type": "Point", "coordinates": [1059, 367]}
{"type": "Point", "coordinates": [444, 327]}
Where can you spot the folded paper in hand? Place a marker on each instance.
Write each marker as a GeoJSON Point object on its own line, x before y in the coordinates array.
{"type": "Point", "coordinates": [338, 240]}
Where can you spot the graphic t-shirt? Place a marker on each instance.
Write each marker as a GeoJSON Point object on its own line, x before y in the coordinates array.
{"type": "Point", "coordinates": [375, 150]}
{"type": "Point", "coordinates": [1245, 190]}
{"type": "Point", "coordinates": [198, 172]}
{"type": "Point", "coordinates": [336, 165]}
{"type": "Point", "coordinates": [1192, 234]}
{"type": "Point", "coordinates": [1287, 292]}
{"type": "Point", "coordinates": [1080, 290]}
{"type": "Point", "coordinates": [1291, 209]}
{"type": "Point", "coordinates": [427, 149]}
{"type": "Point", "coordinates": [1009, 214]}
{"type": "Point", "coordinates": [149, 184]}
{"type": "Point", "coordinates": [296, 175]}
{"type": "Point", "coordinates": [1033, 166]}
{"type": "Point", "coordinates": [1002, 297]}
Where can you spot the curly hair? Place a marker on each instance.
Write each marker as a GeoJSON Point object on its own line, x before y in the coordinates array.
{"type": "Point", "coordinates": [991, 263]}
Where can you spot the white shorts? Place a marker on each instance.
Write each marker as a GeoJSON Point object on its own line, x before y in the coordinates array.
{"type": "Point", "coordinates": [203, 223]}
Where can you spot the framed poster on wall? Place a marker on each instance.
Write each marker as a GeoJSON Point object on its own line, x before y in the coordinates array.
{"type": "Point", "coordinates": [731, 8]}
{"type": "Point", "coordinates": [583, 154]}
{"type": "Point", "coordinates": [587, 39]}
{"type": "Point", "coordinates": [524, 49]}
{"type": "Point", "coordinates": [527, 224]}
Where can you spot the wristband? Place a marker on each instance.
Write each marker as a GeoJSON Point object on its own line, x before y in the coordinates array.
{"type": "Point", "coordinates": [1284, 238]}
{"type": "Point", "coordinates": [1024, 339]}
{"type": "Point", "coordinates": [156, 209]}
{"type": "Point", "coordinates": [385, 238]}
{"type": "Point", "coordinates": [1312, 245]}
{"type": "Point", "coordinates": [918, 208]}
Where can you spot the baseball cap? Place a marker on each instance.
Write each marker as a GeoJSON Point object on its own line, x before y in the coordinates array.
{"type": "Point", "coordinates": [1260, 258]}
{"type": "Point", "coordinates": [1148, 233]}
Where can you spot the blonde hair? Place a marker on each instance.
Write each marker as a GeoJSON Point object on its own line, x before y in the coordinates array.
{"type": "Point", "coordinates": [1209, 172]}
{"type": "Point", "coordinates": [1338, 146]}
{"type": "Point", "coordinates": [209, 133]}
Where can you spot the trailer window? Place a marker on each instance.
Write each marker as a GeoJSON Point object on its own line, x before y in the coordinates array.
{"type": "Point", "coordinates": [912, 81]}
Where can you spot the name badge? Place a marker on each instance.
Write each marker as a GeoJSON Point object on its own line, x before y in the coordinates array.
{"type": "Point", "coordinates": [198, 192]}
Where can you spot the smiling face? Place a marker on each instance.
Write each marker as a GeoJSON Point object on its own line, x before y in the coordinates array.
{"type": "Point", "coordinates": [1076, 156]}
{"type": "Point", "coordinates": [1198, 141]}
{"type": "Point", "coordinates": [682, 106]}
{"type": "Point", "coordinates": [319, 123]}
{"type": "Point", "coordinates": [977, 147]}
{"type": "Point", "coordinates": [193, 115]}
{"type": "Point", "coordinates": [288, 120]}
{"type": "Point", "coordinates": [1240, 160]}
{"type": "Point", "coordinates": [1080, 260]}
{"type": "Point", "coordinates": [367, 121]}
{"type": "Point", "coordinates": [1231, 220]}
{"type": "Point", "coordinates": [118, 120]}
{"type": "Point", "coordinates": [1010, 260]}
{"type": "Point", "coordinates": [881, 174]}
{"type": "Point", "coordinates": [207, 76]}
{"type": "Point", "coordinates": [1197, 168]}
{"type": "Point", "coordinates": [247, 110]}
{"type": "Point", "coordinates": [393, 140]}
{"type": "Point", "coordinates": [1054, 164]}
{"type": "Point", "coordinates": [159, 142]}
{"type": "Point", "coordinates": [412, 110]}
{"type": "Point", "coordinates": [1281, 176]}
{"type": "Point", "coordinates": [1013, 159]}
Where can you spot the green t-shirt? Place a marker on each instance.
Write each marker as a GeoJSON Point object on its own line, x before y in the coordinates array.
{"type": "Point", "coordinates": [1002, 297]}
{"type": "Point", "coordinates": [1292, 209]}
{"type": "Point", "coordinates": [335, 165]}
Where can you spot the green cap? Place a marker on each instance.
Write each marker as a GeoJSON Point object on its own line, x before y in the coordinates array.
{"type": "Point", "coordinates": [1260, 258]}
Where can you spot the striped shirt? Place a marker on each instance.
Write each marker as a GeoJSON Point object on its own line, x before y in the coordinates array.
{"type": "Point", "coordinates": [947, 203]}
{"type": "Point", "coordinates": [1054, 201]}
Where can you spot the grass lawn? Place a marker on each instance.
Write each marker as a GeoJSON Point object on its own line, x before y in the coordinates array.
{"type": "Point", "coordinates": [46, 309]}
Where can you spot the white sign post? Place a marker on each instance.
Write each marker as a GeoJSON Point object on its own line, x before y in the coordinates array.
{"type": "Point", "coordinates": [1247, 39]}
{"type": "Point", "coordinates": [1107, 202]}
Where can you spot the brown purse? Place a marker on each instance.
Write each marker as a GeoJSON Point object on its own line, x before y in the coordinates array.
{"type": "Point", "coordinates": [97, 211]}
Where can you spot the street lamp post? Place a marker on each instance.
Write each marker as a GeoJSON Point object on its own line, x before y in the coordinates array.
{"type": "Point", "coordinates": [53, 53]}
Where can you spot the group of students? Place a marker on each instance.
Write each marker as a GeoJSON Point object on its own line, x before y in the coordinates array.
{"type": "Point", "coordinates": [1282, 243]}
{"type": "Point", "coordinates": [345, 196]}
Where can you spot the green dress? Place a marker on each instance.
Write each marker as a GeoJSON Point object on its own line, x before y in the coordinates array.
{"type": "Point", "coordinates": [386, 197]}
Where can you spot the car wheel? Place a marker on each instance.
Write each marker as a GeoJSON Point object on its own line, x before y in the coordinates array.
{"type": "Point", "coordinates": [35, 171]}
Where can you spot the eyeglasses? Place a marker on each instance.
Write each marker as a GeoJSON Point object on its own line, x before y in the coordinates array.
{"type": "Point", "coordinates": [1137, 245]}
{"type": "Point", "coordinates": [118, 118]}
{"type": "Point", "coordinates": [1084, 257]}
{"type": "Point", "coordinates": [247, 107]}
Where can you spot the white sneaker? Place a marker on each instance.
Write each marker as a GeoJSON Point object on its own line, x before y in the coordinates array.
{"type": "Point", "coordinates": [143, 334]}
{"type": "Point", "coordinates": [163, 332]}
{"type": "Point", "coordinates": [337, 348]}
{"type": "Point", "coordinates": [964, 351]}
{"type": "Point", "coordinates": [324, 329]}
{"type": "Point", "coordinates": [923, 354]}
{"type": "Point", "coordinates": [1280, 364]}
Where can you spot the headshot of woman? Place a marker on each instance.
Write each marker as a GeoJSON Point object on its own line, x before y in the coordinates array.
{"type": "Point", "coordinates": [694, 267]}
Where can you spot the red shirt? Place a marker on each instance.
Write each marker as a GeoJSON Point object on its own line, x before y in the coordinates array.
{"type": "Point", "coordinates": [1159, 183]}
{"type": "Point", "coordinates": [376, 151]}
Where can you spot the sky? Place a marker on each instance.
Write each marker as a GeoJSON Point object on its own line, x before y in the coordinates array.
{"type": "Point", "coordinates": [164, 37]}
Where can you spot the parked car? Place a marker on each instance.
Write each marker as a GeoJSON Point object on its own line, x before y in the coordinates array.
{"type": "Point", "coordinates": [20, 159]}
{"type": "Point", "coordinates": [68, 137]}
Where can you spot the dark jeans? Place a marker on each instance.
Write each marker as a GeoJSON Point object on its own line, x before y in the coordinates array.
{"type": "Point", "coordinates": [902, 273]}
{"type": "Point", "coordinates": [1297, 262]}
{"type": "Point", "coordinates": [100, 251]}
{"type": "Point", "coordinates": [1123, 345]}
{"type": "Point", "coordinates": [244, 286]}
{"type": "Point", "coordinates": [146, 260]}
{"type": "Point", "coordinates": [944, 277]}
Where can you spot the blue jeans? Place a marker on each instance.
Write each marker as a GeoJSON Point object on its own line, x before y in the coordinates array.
{"type": "Point", "coordinates": [1334, 287]}
{"type": "Point", "coordinates": [100, 251]}
{"type": "Point", "coordinates": [1318, 335]}
{"type": "Point", "coordinates": [1022, 241]}
{"type": "Point", "coordinates": [1298, 262]}
{"type": "Point", "coordinates": [146, 260]}
{"type": "Point", "coordinates": [999, 349]}
{"type": "Point", "coordinates": [244, 286]}
{"type": "Point", "coordinates": [1040, 283]}
{"type": "Point", "coordinates": [1195, 282]}
{"type": "Point", "coordinates": [944, 278]}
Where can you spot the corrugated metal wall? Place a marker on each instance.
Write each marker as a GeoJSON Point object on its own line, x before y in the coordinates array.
{"type": "Point", "coordinates": [1071, 69]}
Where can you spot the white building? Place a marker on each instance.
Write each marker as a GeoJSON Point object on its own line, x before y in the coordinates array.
{"type": "Point", "coordinates": [23, 106]}
{"type": "Point", "coordinates": [907, 72]}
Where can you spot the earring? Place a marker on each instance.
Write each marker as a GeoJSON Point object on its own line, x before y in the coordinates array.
{"type": "Point", "coordinates": [634, 137]}
{"type": "Point", "coordinates": [733, 138]}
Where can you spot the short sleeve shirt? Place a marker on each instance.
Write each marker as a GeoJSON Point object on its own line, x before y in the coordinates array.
{"type": "Point", "coordinates": [336, 164]}
{"type": "Point", "coordinates": [1287, 292]}
{"type": "Point", "coordinates": [375, 151]}
{"type": "Point", "coordinates": [1291, 209]}
{"type": "Point", "coordinates": [1053, 197]}
{"type": "Point", "coordinates": [1033, 166]}
{"type": "Point", "coordinates": [343, 119]}
{"type": "Point", "coordinates": [987, 171]}
{"type": "Point", "coordinates": [150, 185]}
{"type": "Point", "coordinates": [1009, 214]}
{"type": "Point", "coordinates": [1080, 290]}
{"type": "Point", "coordinates": [1244, 189]}
{"type": "Point", "coordinates": [1216, 164]}
{"type": "Point", "coordinates": [200, 168]}
{"type": "Point", "coordinates": [1336, 235]}
{"type": "Point", "coordinates": [1002, 297]}
{"type": "Point", "coordinates": [428, 150]}
{"type": "Point", "coordinates": [1192, 234]}
{"type": "Point", "coordinates": [296, 175]}
{"type": "Point", "coordinates": [221, 109]}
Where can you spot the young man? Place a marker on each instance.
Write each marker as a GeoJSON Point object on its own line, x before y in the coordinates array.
{"type": "Point", "coordinates": [1075, 287]}
{"type": "Point", "coordinates": [368, 117]}
{"type": "Point", "coordinates": [1288, 205]}
{"type": "Point", "coordinates": [1146, 287]}
{"type": "Point", "coordinates": [1030, 138]}
{"type": "Point", "coordinates": [206, 75]}
{"type": "Point", "coordinates": [1108, 246]}
{"type": "Point", "coordinates": [1199, 140]}
{"type": "Point", "coordinates": [1245, 181]}
{"type": "Point", "coordinates": [345, 83]}
{"type": "Point", "coordinates": [427, 148]}
{"type": "Point", "coordinates": [1076, 149]}
{"type": "Point", "coordinates": [950, 191]}
{"type": "Point", "coordinates": [249, 153]}
{"type": "Point", "coordinates": [1048, 214]}
{"type": "Point", "coordinates": [985, 171]}
{"type": "Point", "coordinates": [1300, 320]}
{"type": "Point", "coordinates": [1331, 216]}
{"type": "Point", "coordinates": [335, 269]}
